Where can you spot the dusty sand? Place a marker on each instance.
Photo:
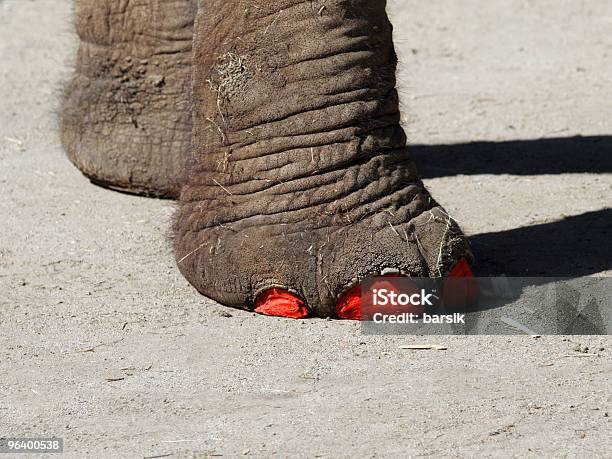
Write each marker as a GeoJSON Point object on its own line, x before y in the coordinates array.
{"type": "Point", "coordinates": [90, 292]}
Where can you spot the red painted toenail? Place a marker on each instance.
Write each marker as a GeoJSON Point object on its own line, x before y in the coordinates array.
{"type": "Point", "coordinates": [353, 306]}
{"type": "Point", "coordinates": [281, 303]}
{"type": "Point", "coordinates": [460, 289]}
{"type": "Point", "coordinates": [461, 269]}
{"type": "Point", "coordinates": [349, 304]}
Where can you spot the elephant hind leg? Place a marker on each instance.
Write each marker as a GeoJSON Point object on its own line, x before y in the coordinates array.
{"type": "Point", "coordinates": [126, 114]}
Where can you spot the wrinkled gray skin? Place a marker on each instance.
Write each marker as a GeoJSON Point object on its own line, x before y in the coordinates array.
{"type": "Point", "coordinates": [126, 115]}
{"type": "Point", "coordinates": [301, 177]}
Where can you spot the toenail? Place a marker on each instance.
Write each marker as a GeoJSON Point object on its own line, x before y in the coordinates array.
{"type": "Point", "coordinates": [281, 303]}
{"type": "Point", "coordinates": [460, 288]}
{"type": "Point", "coordinates": [461, 269]}
{"type": "Point", "coordinates": [357, 305]}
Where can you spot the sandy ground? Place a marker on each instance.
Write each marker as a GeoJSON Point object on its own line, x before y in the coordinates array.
{"type": "Point", "coordinates": [104, 344]}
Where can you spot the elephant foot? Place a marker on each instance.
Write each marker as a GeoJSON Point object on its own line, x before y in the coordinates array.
{"type": "Point", "coordinates": [390, 256]}
{"type": "Point", "coordinates": [293, 265]}
{"type": "Point", "coordinates": [126, 113]}
{"type": "Point", "coordinates": [350, 305]}
{"type": "Point", "coordinates": [302, 185]}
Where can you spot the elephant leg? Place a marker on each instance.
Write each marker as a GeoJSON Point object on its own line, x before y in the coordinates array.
{"type": "Point", "coordinates": [302, 184]}
{"type": "Point", "coordinates": [126, 115]}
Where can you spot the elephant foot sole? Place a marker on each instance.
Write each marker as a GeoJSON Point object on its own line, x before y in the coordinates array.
{"type": "Point", "coordinates": [135, 190]}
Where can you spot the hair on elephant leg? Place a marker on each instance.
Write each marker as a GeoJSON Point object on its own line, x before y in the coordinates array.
{"type": "Point", "coordinates": [302, 184]}
{"type": "Point", "coordinates": [126, 114]}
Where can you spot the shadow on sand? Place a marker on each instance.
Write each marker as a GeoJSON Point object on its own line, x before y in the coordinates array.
{"type": "Point", "coordinates": [571, 247]}
{"type": "Point", "coordinates": [519, 157]}
{"type": "Point", "coordinates": [575, 246]}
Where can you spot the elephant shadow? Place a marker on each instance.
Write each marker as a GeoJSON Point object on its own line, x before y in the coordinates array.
{"type": "Point", "coordinates": [573, 246]}
{"type": "Point", "coordinates": [546, 258]}
{"type": "Point", "coordinates": [517, 157]}
{"type": "Point", "coordinates": [542, 254]}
